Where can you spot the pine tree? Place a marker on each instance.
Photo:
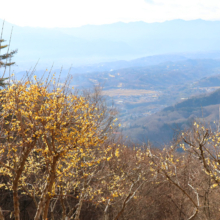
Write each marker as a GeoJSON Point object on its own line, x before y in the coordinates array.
{"type": "Point", "coordinates": [6, 57]}
{"type": "Point", "coordinates": [5, 60]}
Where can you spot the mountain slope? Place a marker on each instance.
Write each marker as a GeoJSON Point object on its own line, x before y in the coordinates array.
{"type": "Point", "coordinates": [161, 127]}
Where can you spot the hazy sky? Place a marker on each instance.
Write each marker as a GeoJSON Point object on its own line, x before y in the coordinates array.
{"type": "Point", "coordinates": [72, 13]}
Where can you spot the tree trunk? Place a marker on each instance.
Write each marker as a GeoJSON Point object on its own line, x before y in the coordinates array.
{"type": "Point", "coordinates": [18, 173]}
{"type": "Point", "coordinates": [106, 211]}
{"type": "Point", "coordinates": [44, 203]}
{"type": "Point", "coordinates": [78, 210]}
{"type": "Point", "coordinates": [1, 215]}
{"type": "Point", "coordinates": [16, 201]}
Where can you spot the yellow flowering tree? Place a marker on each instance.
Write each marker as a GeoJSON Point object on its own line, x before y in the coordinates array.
{"type": "Point", "coordinates": [204, 144]}
{"type": "Point", "coordinates": [195, 172]}
{"type": "Point", "coordinates": [44, 135]}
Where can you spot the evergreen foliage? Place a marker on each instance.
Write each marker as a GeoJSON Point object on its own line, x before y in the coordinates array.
{"type": "Point", "coordinates": [5, 59]}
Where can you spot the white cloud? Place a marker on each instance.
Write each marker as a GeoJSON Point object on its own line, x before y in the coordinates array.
{"type": "Point", "coordinates": [70, 13]}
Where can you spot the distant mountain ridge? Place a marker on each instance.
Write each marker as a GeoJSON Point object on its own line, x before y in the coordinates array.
{"type": "Point", "coordinates": [119, 41]}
